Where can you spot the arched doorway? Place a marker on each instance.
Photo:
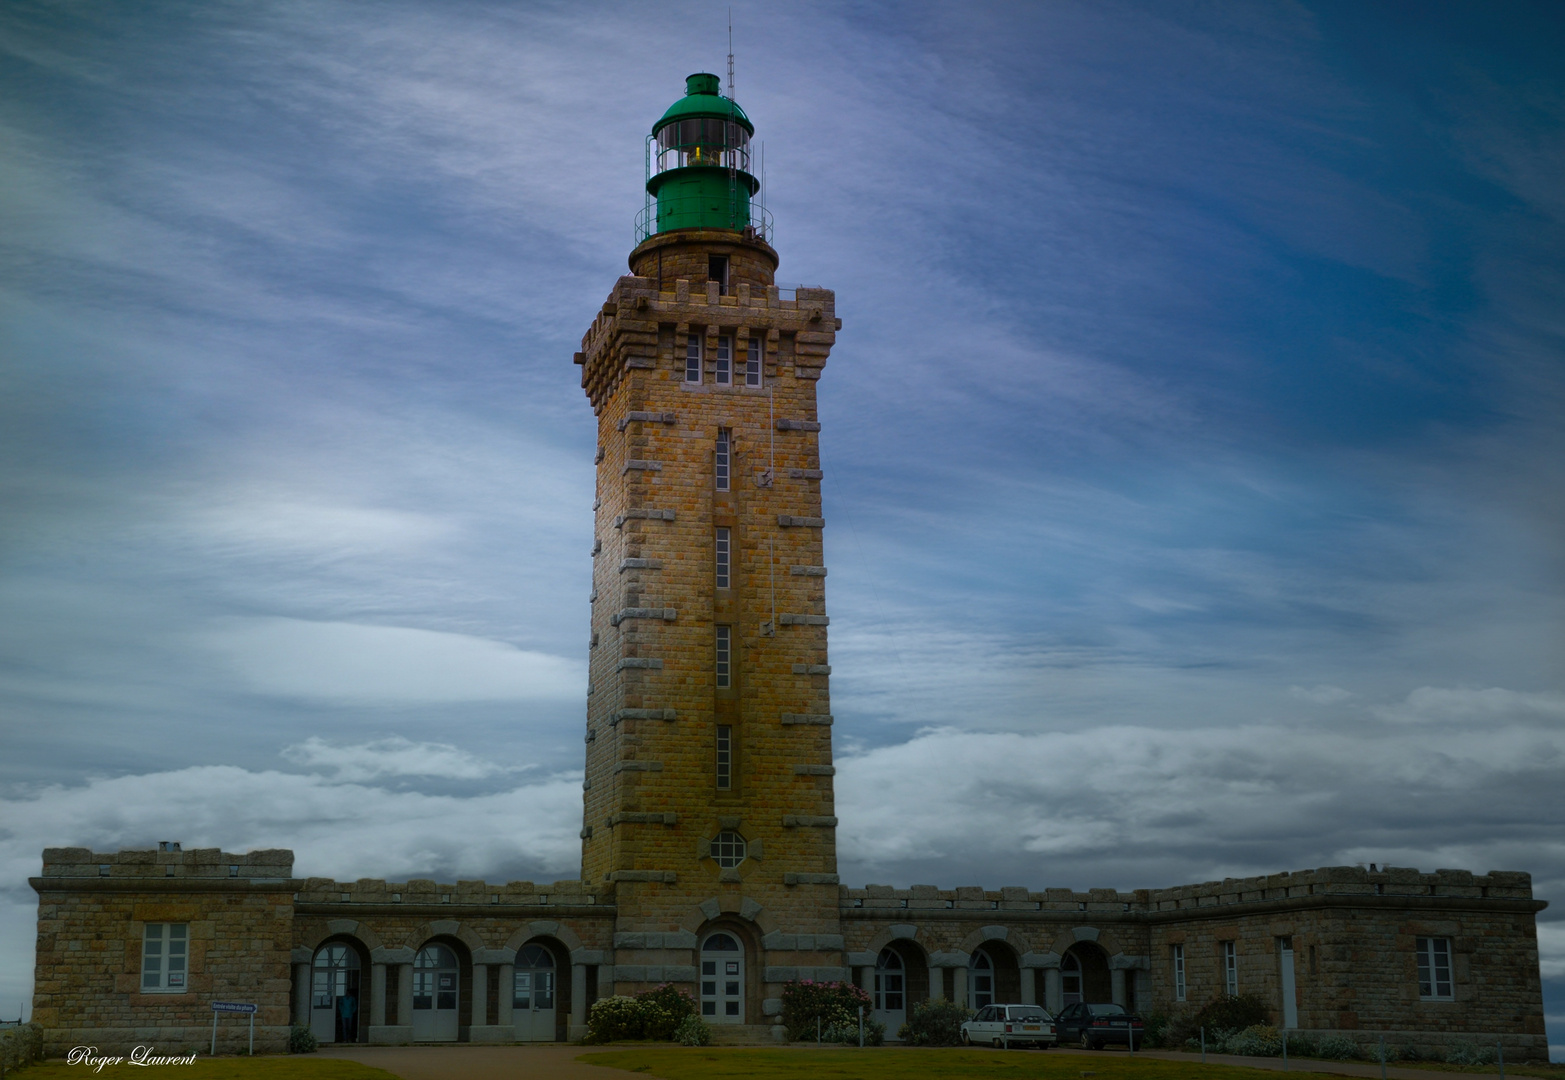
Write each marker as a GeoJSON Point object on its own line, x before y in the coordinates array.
{"type": "Point", "coordinates": [1084, 975]}
{"type": "Point", "coordinates": [436, 978]}
{"type": "Point", "coordinates": [722, 979]}
{"type": "Point", "coordinates": [334, 993]}
{"type": "Point", "coordinates": [533, 994]}
{"type": "Point", "coordinates": [890, 991]}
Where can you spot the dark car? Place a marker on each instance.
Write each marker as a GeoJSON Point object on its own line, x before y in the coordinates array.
{"type": "Point", "coordinates": [1090, 1025]}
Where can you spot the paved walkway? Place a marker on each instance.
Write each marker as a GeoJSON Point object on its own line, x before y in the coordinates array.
{"type": "Point", "coordinates": [557, 1061]}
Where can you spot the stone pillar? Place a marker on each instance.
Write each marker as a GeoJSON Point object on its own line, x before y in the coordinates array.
{"type": "Point", "coordinates": [959, 985]}
{"type": "Point", "coordinates": [937, 983]}
{"type": "Point", "coordinates": [507, 996]}
{"type": "Point", "coordinates": [480, 995]}
{"type": "Point", "coordinates": [867, 981]}
{"type": "Point", "coordinates": [377, 995]}
{"type": "Point", "coordinates": [1029, 986]}
{"type": "Point", "coordinates": [405, 995]}
{"type": "Point", "coordinates": [301, 994]}
{"type": "Point", "coordinates": [1053, 990]}
{"type": "Point", "coordinates": [1117, 980]}
{"type": "Point", "coordinates": [579, 997]}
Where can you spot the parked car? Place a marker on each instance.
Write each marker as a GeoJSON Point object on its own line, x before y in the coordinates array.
{"type": "Point", "coordinates": [1003, 1026]}
{"type": "Point", "coordinates": [1092, 1024]}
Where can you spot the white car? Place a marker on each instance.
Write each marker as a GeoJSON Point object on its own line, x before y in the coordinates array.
{"type": "Point", "coordinates": [1002, 1026]}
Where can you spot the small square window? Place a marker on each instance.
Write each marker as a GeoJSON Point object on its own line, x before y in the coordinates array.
{"type": "Point", "coordinates": [103, 869]}
{"type": "Point", "coordinates": [233, 869]}
{"type": "Point", "coordinates": [164, 958]}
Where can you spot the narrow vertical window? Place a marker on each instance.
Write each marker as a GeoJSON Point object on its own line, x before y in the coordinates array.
{"type": "Point", "coordinates": [1230, 968]}
{"type": "Point", "coordinates": [722, 558]}
{"type": "Point", "coordinates": [693, 359]}
{"type": "Point", "coordinates": [725, 360]}
{"type": "Point", "coordinates": [724, 438]}
{"type": "Point", "coordinates": [725, 757]}
{"type": "Point", "coordinates": [717, 270]}
{"type": "Point", "coordinates": [1179, 973]}
{"type": "Point", "coordinates": [721, 657]}
{"type": "Point", "coordinates": [1434, 969]}
{"type": "Point", "coordinates": [752, 363]}
{"type": "Point", "coordinates": [163, 957]}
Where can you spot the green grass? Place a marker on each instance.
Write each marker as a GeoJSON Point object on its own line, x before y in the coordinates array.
{"type": "Point", "coordinates": [900, 1063]}
{"type": "Point", "coordinates": [279, 1067]}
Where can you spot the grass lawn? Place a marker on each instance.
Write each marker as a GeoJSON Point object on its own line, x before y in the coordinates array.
{"type": "Point", "coordinates": [280, 1067]}
{"type": "Point", "coordinates": [899, 1063]}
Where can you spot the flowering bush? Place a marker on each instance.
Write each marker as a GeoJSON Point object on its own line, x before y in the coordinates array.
{"type": "Point", "coordinates": [934, 1023]}
{"type": "Point", "coordinates": [1257, 1040]}
{"type": "Point", "coordinates": [692, 1031]}
{"type": "Point", "coordinates": [806, 1002]}
{"type": "Point", "coordinates": [655, 1014]}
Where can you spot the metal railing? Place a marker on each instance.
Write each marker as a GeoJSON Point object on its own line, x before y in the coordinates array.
{"type": "Point", "coordinates": [759, 224]}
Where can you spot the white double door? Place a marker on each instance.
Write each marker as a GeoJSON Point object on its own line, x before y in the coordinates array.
{"type": "Point", "coordinates": [436, 986]}
{"type": "Point", "coordinates": [533, 995]}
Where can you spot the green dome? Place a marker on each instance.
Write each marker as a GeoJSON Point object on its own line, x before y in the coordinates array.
{"type": "Point", "coordinates": [703, 98]}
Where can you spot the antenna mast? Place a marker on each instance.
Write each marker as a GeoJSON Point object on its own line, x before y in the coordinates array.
{"type": "Point", "coordinates": [730, 54]}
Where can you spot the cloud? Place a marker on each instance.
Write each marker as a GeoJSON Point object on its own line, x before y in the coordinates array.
{"type": "Point", "coordinates": [351, 662]}
{"type": "Point", "coordinates": [1442, 705]}
{"type": "Point", "coordinates": [393, 757]}
{"type": "Point", "coordinates": [1320, 695]}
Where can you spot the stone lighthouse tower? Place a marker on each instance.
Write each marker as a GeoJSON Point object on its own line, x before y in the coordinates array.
{"type": "Point", "coordinates": [708, 796]}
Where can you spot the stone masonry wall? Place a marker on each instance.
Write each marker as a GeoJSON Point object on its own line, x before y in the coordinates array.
{"type": "Point", "coordinates": [92, 911]}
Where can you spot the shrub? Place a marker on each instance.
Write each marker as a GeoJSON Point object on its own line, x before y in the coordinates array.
{"type": "Point", "coordinates": [1339, 1048]}
{"type": "Point", "coordinates": [662, 1010]}
{"type": "Point", "coordinates": [1154, 1028]}
{"type": "Point", "coordinates": [1232, 1012]}
{"type": "Point", "coordinates": [1257, 1040]}
{"type": "Point", "coordinates": [1302, 1046]}
{"type": "Point", "coordinates": [934, 1023]}
{"type": "Point", "coordinates": [692, 1031]}
{"type": "Point", "coordinates": [301, 1040]}
{"type": "Point", "coordinates": [1467, 1053]}
{"type": "Point", "coordinates": [614, 1018]}
{"type": "Point", "coordinates": [848, 1034]}
{"type": "Point", "coordinates": [806, 1002]}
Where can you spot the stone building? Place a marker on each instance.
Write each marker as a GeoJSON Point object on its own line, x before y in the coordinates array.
{"type": "Point", "coordinates": [708, 835]}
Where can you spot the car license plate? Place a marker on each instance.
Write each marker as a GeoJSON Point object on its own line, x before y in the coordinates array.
{"type": "Point", "coordinates": [1031, 1027]}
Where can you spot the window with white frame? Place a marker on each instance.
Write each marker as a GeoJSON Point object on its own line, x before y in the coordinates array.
{"type": "Point", "coordinates": [723, 666]}
{"type": "Point", "coordinates": [721, 460]}
{"type": "Point", "coordinates": [725, 360]}
{"type": "Point", "coordinates": [752, 363]}
{"type": "Point", "coordinates": [728, 849]}
{"type": "Point", "coordinates": [1230, 967]}
{"type": "Point", "coordinates": [693, 359]}
{"type": "Point", "coordinates": [1434, 969]}
{"type": "Point", "coordinates": [165, 956]}
{"type": "Point", "coordinates": [725, 757]}
{"type": "Point", "coordinates": [1179, 973]}
{"type": "Point", "coordinates": [722, 544]}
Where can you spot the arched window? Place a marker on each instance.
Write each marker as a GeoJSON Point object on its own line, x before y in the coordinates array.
{"type": "Point", "coordinates": [980, 980]}
{"type": "Point", "coordinates": [436, 973]}
{"type": "Point", "coordinates": [334, 993]}
{"type": "Point", "coordinates": [534, 979]}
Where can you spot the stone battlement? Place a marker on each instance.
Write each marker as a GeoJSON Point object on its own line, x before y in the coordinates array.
{"type": "Point", "coordinates": [166, 861]}
{"type": "Point", "coordinates": [469, 893]}
{"type": "Point", "coordinates": [1329, 880]}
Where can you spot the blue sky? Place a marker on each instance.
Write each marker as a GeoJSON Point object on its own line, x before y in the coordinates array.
{"type": "Point", "coordinates": [1193, 458]}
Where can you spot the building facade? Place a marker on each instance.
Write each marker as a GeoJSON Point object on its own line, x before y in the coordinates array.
{"type": "Point", "coordinates": [708, 834]}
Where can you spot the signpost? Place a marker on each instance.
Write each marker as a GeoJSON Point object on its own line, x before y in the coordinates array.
{"type": "Point", "coordinates": [233, 1007]}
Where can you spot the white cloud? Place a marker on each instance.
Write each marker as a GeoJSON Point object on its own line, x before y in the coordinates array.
{"type": "Point", "coordinates": [351, 662]}
{"type": "Point", "coordinates": [396, 756]}
{"type": "Point", "coordinates": [1551, 949]}
{"type": "Point", "coordinates": [1321, 694]}
{"type": "Point", "coordinates": [1443, 705]}
{"type": "Point", "coordinates": [335, 829]}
